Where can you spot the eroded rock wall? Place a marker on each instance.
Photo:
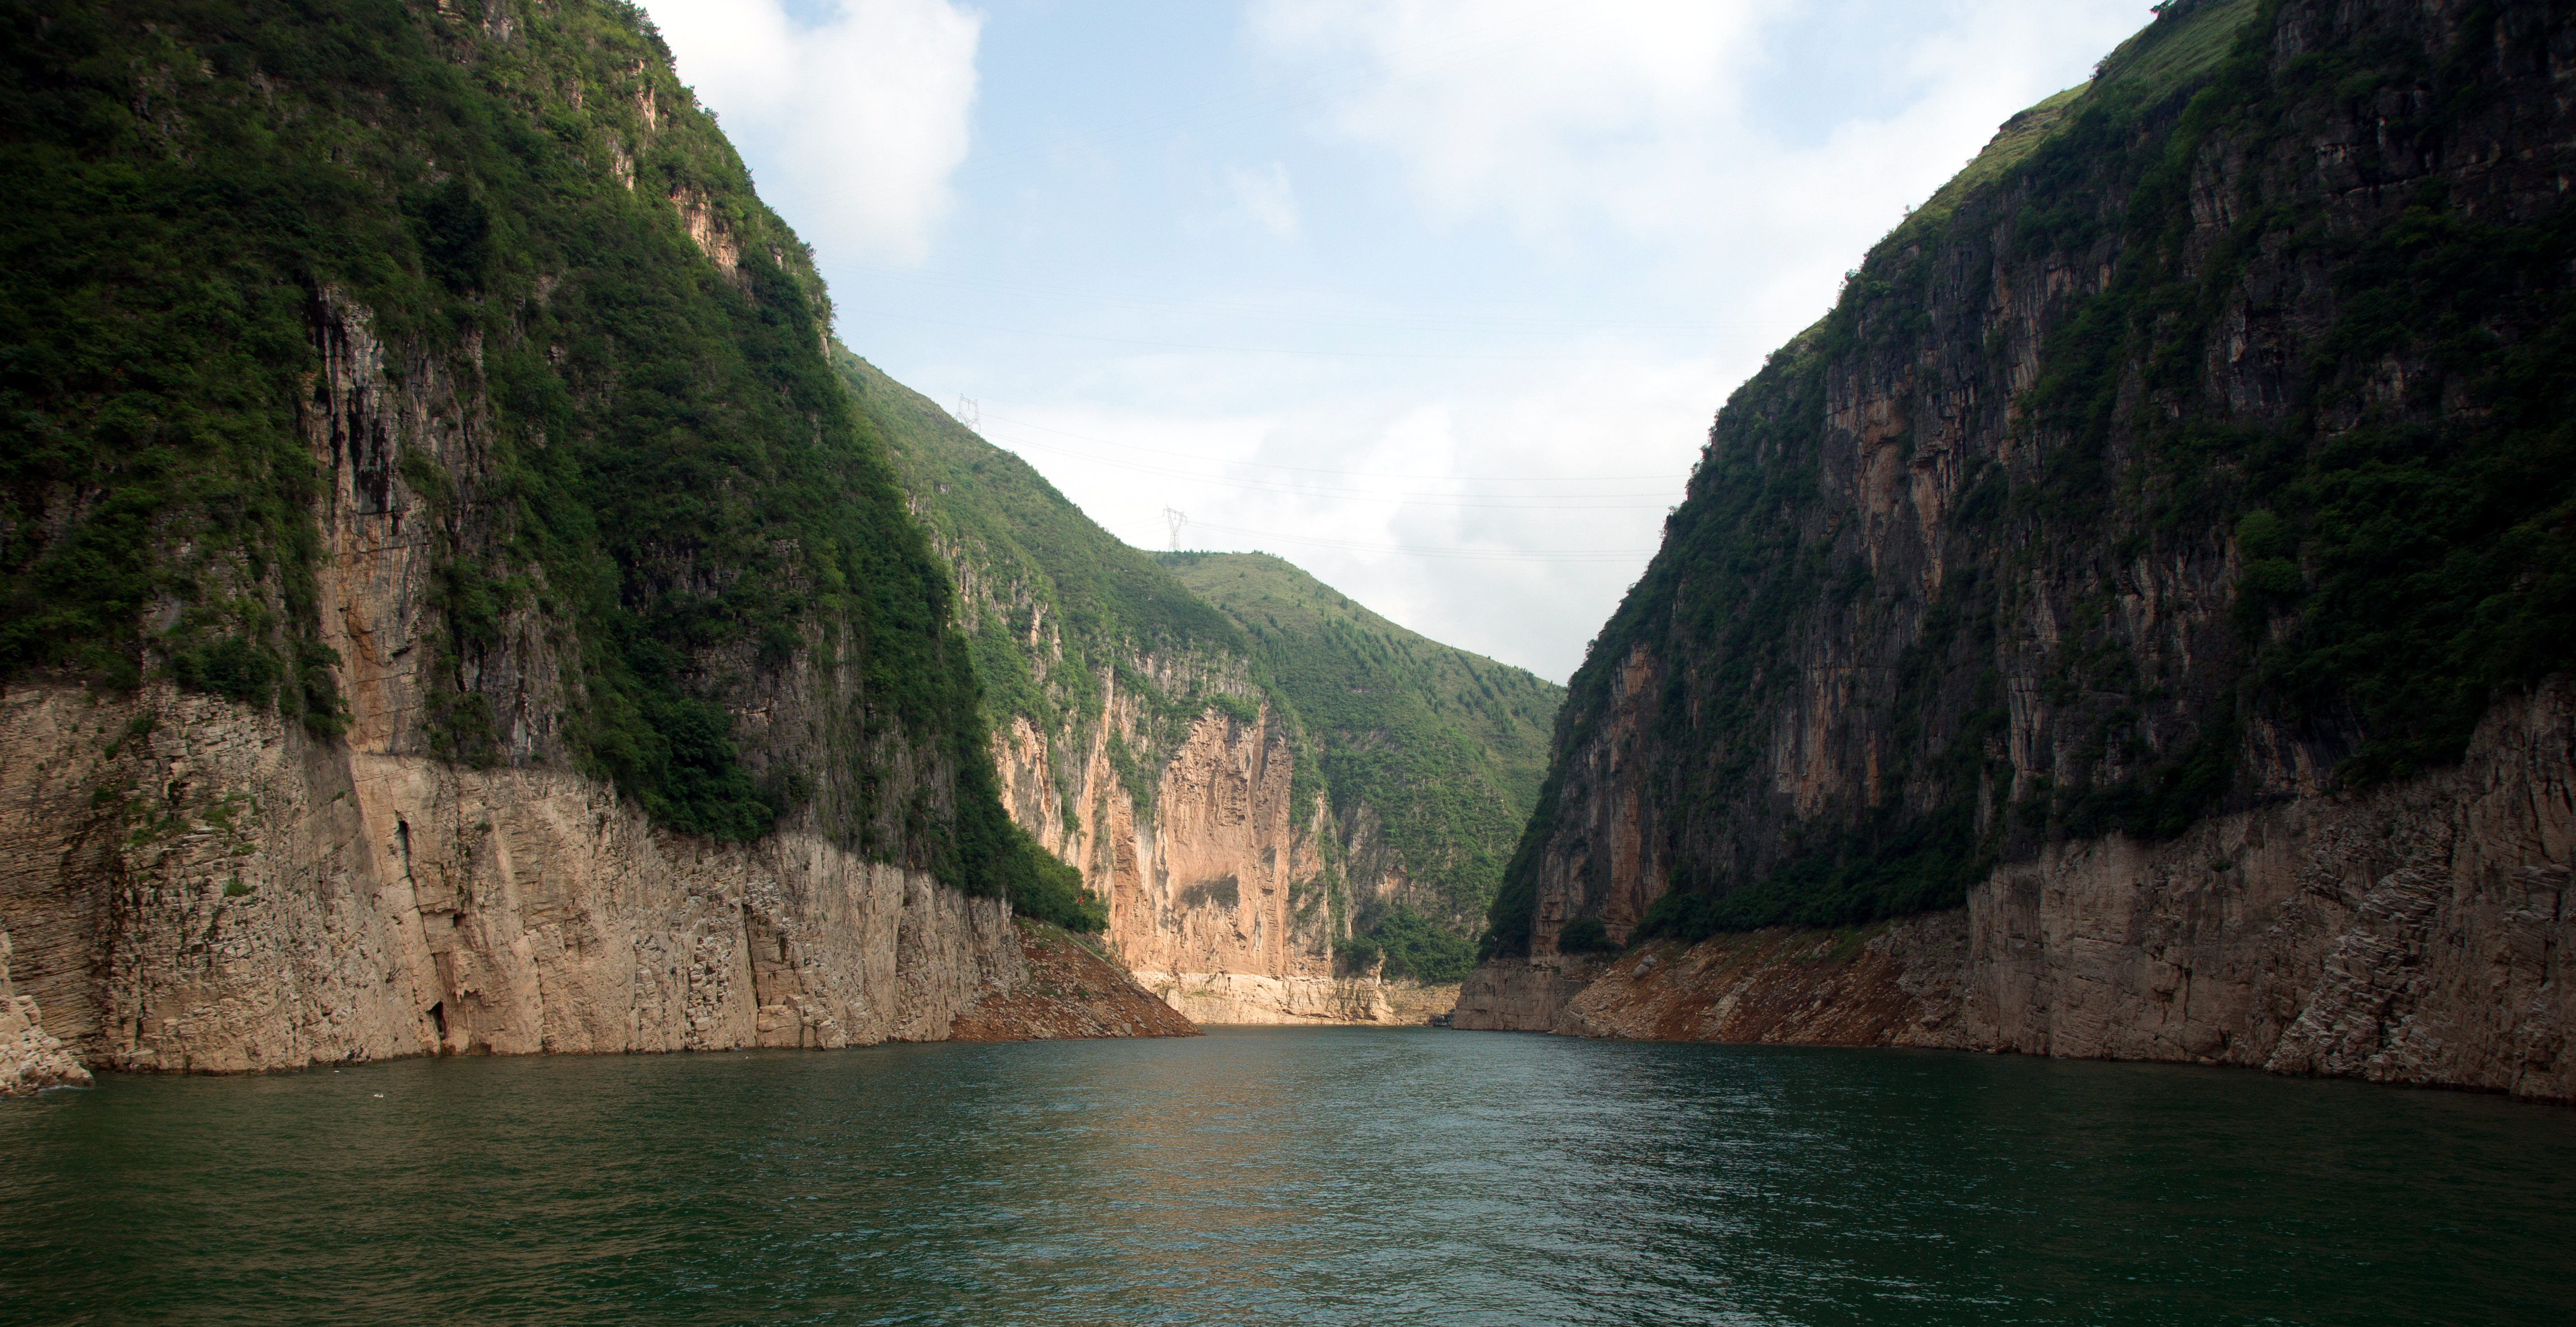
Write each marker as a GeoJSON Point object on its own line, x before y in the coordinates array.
{"type": "Point", "coordinates": [1216, 892]}
{"type": "Point", "coordinates": [1221, 899]}
{"type": "Point", "coordinates": [31, 1059]}
{"type": "Point", "coordinates": [1883, 619]}
{"type": "Point", "coordinates": [2416, 934]}
{"type": "Point", "coordinates": [195, 885]}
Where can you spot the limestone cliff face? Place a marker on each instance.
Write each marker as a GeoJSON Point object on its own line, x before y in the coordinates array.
{"type": "Point", "coordinates": [1218, 897]}
{"type": "Point", "coordinates": [195, 885]}
{"type": "Point", "coordinates": [1137, 739]}
{"type": "Point", "coordinates": [517, 644]}
{"type": "Point", "coordinates": [31, 1059]}
{"type": "Point", "coordinates": [2050, 570]}
{"type": "Point", "coordinates": [2415, 934]}
{"type": "Point", "coordinates": [1920, 609]}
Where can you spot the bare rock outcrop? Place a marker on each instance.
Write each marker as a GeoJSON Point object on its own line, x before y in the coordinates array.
{"type": "Point", "coordinates": [1219, 896]}
{"type": "Point", "coordinates": [1520, 995]}
{"type": "Point", "coordinates": [2414, 934]}
{"type": "Point", "coordinates": [2025, 598]}
{"type": "Point", "coordinates": [379, 819]}
{"type": "Point", "coordinates": [31, 1059]}
{"type": "Point", "coordinates": [196, 885]}
{"type": "Point", "coordinates": [1072, 990]}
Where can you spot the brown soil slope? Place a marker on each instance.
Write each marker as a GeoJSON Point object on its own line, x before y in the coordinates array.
{"type": "Point", "coordinates": [1070, 992]}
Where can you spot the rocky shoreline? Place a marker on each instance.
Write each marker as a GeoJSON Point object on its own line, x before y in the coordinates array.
{"type": "Point", "coordinates": [2415, 934]}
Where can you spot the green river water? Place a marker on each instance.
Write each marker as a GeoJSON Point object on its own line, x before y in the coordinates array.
{"type": "Point", "coordinates": [1283, 1176]}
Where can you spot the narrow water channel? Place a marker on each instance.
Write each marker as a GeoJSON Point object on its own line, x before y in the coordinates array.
{"type": "Point", "coordinates": [1284, 1176]}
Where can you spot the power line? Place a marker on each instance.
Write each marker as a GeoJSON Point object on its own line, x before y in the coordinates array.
{"type": "Point", "coordinates": [1365, 495]}
{"type": "Point", "coordinates": [1667, 476]}
{"type": "Point", "coordinates": [1464, 554]}
{"type": "Point", "coordinates": [1184, 345]}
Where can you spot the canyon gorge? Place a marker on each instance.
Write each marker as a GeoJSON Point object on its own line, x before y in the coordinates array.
{"type": "Point", "coordinates": [539, 635]}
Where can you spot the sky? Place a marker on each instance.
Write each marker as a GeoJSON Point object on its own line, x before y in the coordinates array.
{"type": "Point", "coordinates": [1435, 298]}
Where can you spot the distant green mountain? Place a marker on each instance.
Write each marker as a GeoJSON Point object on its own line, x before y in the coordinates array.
{"type": "Point", "coordinates": [1424, 759]}
{"type": "Point", "coordinates": [1040, 562]}
{"type": "Point", "coordinates": [1444, 748]}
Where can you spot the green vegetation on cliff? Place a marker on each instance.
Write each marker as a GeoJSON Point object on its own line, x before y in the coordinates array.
{"type": "Point", "coordinates": [1049, 570]}
{"type": "Point", "coordinates": [1429, 757]}
{"type": "Point", "coordinates": [668, 472]}
{"type": "Point", "coordinates": [2389, 511]}
{"type": "Point", "coordinates": [1444, 747]}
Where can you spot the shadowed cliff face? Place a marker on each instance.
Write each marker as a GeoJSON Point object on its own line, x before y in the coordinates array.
{"type": "Point", "coordinates": [2096, 608]}
{"type": "Point", "coordinates": [2202, 448]}
{"type": "Point", "coordinates": [200, 885]}
{"type": "Point", "coordinates": [192, 885]}
{"type": "Point", "coordinates": [2417, 933]}
{"type": "Point", "coordinates": [451, 606]}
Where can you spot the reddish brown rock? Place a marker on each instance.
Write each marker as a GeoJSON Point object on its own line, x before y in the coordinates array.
{"type": "Point", "coordinates": [1071, 990]}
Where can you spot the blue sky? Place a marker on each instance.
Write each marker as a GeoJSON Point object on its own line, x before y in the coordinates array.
{"type": "Point", "coordinates": [1434, 298]}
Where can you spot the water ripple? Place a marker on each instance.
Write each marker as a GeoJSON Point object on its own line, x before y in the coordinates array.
{"type": "Point", "coordinates": [1283, 1176]}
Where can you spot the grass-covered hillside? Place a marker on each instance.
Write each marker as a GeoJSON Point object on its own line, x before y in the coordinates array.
{"type": "Point", "coordinates": [1428, 757]}
{"type": "Point", "coordinates": [600, 428]}
{"type": "Point", "coordinates": [1444, 747]}
{"type": "Point", "coordinates": [1038, 561]}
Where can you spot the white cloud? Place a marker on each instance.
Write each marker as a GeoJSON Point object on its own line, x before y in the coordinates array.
{"type": "Point", "coordinates": [1517, 105]}
{"type": "Point", "coordinates": [1496, 471]}
{"type": "Point", "coordinates": [860, 118]}
{"type": "Point", "coordinates": [1660, 123]}
{"type": "Point", "coordinates": [1263, 198]}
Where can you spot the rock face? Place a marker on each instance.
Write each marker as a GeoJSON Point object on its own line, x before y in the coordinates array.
{"type": "Point", "coordinates": [1071, 991]}
{"type": "Point", "coordinates": [2063, 581]}
{"type": "Point", "coordinates": [2416, 934]}
{"type": "Point", "coordinates": [1520, 995]}
{"type": "Point", "coordinates": [1139, 739]}
{"type": "Point", "coordinates": [194, 885]}
{"type": "Point", "coordinates": [31, 1059]}
{"type": "Point", "coordinates": [1219, 902]}
{"type": "Point", "coordinates": [519, 644]}
{"type": "Point", "coordinates": [1920, 614]}
{"type": "Point", "coordinates": [1203, 880]}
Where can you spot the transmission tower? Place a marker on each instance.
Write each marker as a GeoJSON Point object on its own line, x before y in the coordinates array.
{"type": "Point", "coordinates": [1175, 519]}
{"type": "Point", "coordinates": [970, 413]}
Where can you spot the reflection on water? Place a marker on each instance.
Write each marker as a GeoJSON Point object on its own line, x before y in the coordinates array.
{"type": "Point", "coordinates": [1287, 1175]}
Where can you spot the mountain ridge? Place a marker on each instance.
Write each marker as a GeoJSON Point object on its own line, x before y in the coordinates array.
{"type": "Point", "coordinates": [1109, 675]}
{"type": "Point", "coordinates": [2199, 467]}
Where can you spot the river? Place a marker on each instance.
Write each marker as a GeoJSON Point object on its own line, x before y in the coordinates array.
{"type": "Point", "coordinates": [1304, 1175]}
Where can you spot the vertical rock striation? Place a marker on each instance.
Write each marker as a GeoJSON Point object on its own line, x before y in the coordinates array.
{"type": "Point", "coordinates": [2083, 602]}
{"type": "Point", "coordinates": [1141, 736]}
{"type": "Point", "coordinates": [31, 1059]}
{"type": "Point", "coordinates": [499, 635]}
{"type": "Point", "coordinates": [2417, 933]}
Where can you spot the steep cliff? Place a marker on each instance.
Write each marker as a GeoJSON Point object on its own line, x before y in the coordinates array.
{"type": "Point", "coordinates": [1432, 755]}
{"type": "Point", "coordinates": [2201, 453]}
{"type": "Point", "coordinates": [2414, 933]}
{"type": "Point", "coordinates": [1161, 743]}
{"type": "Point", "coordinates": [449, 601]}
{"type": "Point", "coordinates": [31, 1059]}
